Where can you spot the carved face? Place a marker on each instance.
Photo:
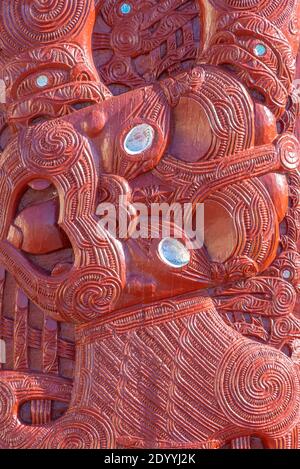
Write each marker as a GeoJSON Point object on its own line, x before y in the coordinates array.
{"type": "Point", "coordinates": [194, 138]}
{"type": "Point", "coordinates": [119, 114]}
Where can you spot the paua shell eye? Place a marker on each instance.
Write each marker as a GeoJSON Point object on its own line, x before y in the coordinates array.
{"type": "Point", "coordinates": [260, 50]}
{"type": "Point", "coordinates": [173, 253]}
{"type": "Point", "coordinates": [125, 8]}
{"type": "Point", "coordinates": [42, 81]}
{"type": "Point", "coordinates": [139, 139]}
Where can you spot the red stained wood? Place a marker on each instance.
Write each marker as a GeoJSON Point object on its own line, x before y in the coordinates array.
{"type": "Point", "coordinates": [107, 345]}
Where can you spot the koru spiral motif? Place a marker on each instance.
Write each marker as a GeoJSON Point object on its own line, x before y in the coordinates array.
{"type": "Point", "coordinates": [126, 106]}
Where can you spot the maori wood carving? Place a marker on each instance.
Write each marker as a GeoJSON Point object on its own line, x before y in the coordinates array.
{"type": "Point", "coordinates": [108, 345]}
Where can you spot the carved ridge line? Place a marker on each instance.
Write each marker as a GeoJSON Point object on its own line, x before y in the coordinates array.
{"type": "Point", "coordinates": [152, 315]}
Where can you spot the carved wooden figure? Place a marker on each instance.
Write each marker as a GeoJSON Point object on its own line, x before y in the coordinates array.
{"type": "Point", "coordinates": [121, 342]}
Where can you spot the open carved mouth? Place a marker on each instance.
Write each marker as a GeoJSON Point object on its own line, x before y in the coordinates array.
{"type": "Point", "coordinates": [58, 155]}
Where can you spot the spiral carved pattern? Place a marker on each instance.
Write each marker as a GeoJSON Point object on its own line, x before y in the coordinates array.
{"type": "Point", "coordinates": [278, 11]}
{"type": "Point", "coordinates": [126, 40]}
{"type": "Point", "coordinates": [289, 151]}
{"type": "Point", "coordinates": [283, 327]}
{"type": "Point", "coordinates": [88, 294]}
{"type": "Point", "coordinates": [7, 401]}
{"type": "Point", "coordinates": [118, 69]}
{"type": "Point", "coordinates": [80, 431]}
{"type": "Point", "coordinates": [254, 5]}
{"type": "Point", "coordinates": [284, 298]}
{"type": "Point", "coordinates": [51, 146]}
{"type": "Point", "coordinates": [41, 22]}
{"type": "Point", "coordinates": [258, 388]}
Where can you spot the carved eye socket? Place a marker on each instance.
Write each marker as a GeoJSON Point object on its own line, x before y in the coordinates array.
{"type": "Point", "coordinates": [173, 253]}
{"type": "Point", "coordinates": [260, 49]}
{"type": "Point", "coordinates": [39, 82]}
{"type": "Point", "coordinates": [139, 139]}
